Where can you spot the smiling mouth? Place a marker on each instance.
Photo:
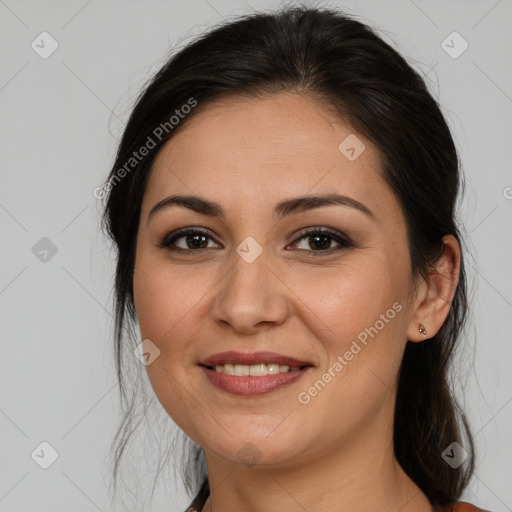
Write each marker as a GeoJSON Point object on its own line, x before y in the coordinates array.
{"type": "Point", "coordinates": [254, 370]}
{"type": "Point", "coordinates": [253, 380]}
{"type": "Point", "coordinates": [254, 374]}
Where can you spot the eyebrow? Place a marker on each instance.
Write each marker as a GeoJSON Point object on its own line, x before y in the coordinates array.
{"type": "Point", "coordinates": [288, 207]}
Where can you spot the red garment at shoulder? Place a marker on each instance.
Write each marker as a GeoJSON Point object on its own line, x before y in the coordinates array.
{"type": "Point", "coordinates": [464, 507]}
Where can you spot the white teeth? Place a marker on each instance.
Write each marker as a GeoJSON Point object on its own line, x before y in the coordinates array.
{"type": "Point", "coordinates": [255, 370]}
{"type": "Point", "coordinates": [272, 368]}
{"type": "Point", "coordinates": [242, 370]}
{"type": "Point", "coordinates": [229, 369]}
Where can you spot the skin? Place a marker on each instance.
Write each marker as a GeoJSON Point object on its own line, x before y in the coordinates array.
{"type": "Point", "coordinates": [334, 453]}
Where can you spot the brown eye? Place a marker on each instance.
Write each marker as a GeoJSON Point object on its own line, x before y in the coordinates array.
{"type": "Point", "coordinates": [194, 239]}
{"type": "Point", "coordinates": [320, 240]}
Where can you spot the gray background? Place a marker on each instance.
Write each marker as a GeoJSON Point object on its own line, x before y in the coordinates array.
{"type": "Point", "coordinates": [61, 117]}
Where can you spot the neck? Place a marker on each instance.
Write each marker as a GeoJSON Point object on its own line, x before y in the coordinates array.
{"type": "Point", "coordinates": [363, 476]}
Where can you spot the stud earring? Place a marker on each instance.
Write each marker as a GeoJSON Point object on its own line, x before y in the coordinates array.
{"type": "Point", "coordinates": [422, 330]}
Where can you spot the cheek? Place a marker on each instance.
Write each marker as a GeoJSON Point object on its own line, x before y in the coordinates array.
{"type": "Point", "coordinates": [164, 298]}
{"type": "Point", "coordinates": [349, 300]}
{"type": "Point", "coordinates": [359, 316]}
{"type": "Point", "coordinates": [164, 310]}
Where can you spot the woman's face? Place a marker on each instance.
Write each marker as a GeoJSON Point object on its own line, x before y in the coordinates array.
{"type": "Point", "coordinates": [341, 303]}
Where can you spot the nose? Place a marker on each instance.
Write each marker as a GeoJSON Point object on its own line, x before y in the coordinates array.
{"type": "Point", "coordinates": [251, 295]}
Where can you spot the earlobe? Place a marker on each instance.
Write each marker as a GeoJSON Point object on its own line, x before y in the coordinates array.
{"type": "Point", "coordinates": [418, 332]}
{"type": "Point", "coordinates": [441, 283]}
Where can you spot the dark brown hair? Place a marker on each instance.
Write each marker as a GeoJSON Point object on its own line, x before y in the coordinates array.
{"type": "Point", "coordinates": [344, 64]}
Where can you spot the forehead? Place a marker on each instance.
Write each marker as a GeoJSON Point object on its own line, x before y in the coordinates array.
{"type": "Point", "coordinates": [267, 149]}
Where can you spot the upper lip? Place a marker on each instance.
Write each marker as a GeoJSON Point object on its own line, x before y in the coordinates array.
{"type": "Point", "coordinates": [233, 357]}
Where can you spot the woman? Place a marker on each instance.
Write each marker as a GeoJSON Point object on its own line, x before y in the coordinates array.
{"type": "Point", "coordinates": [282, 203]}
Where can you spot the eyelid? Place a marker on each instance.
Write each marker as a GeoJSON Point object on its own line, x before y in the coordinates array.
{"type": "Point", "coordinates": [175, 235]}
{"type": "Point", "coordinates": [324, 230]}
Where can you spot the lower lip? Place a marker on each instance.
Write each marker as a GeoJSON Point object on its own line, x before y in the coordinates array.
{"type": "Point", "coordinates": [252, 386]}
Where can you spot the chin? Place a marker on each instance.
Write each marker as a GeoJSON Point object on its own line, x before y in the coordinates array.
{"type": "Point", "coordinates": [255, 448]}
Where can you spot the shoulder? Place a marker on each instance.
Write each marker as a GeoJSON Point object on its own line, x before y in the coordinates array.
{"type": "Point", "coordinates": [463, 507]}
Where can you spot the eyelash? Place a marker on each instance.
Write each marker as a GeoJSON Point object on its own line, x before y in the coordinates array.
{"type": "Point", "coordinates": [341, 239]}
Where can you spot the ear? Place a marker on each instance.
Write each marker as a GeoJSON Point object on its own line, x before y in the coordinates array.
{"type": "Point", "coordinates": [435, 294]}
